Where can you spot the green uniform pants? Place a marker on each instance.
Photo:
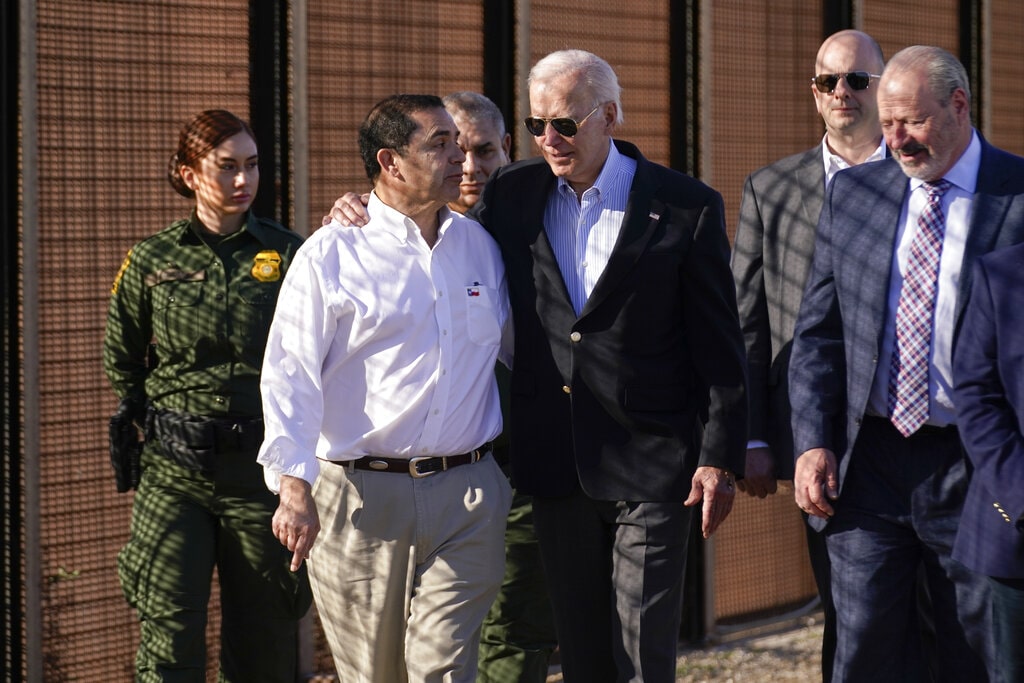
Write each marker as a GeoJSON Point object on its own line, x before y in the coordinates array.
{"type": "Point", "coordinates": [185, 523]}
{"type": "Point", "coordinates": [518, 634]}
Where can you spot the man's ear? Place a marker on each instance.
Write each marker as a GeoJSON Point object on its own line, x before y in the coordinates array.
{"type": "Point", "coordinates": [388, 160]}
{"type": "Point", "coordinates": [961, 105]}
{"type": "Point", "coordinates": [610, 114]}
{"type": "Point", "coordinates": [506, 146]}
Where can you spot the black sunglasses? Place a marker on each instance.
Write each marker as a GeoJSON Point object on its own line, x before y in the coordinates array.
{"type": "Point", "coordinates": [563, 125]}
{"type": "Point", "coordinates": [857, 80]}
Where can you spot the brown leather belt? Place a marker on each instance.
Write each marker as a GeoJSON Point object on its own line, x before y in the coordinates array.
{"type": "Point", "coordinates": [415, 467]}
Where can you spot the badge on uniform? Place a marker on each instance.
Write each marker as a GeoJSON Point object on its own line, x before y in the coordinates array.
{"type": "Point", "coordinates": [266, 267]}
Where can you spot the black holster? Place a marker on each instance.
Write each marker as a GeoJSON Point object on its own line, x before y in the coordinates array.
{"type": "Point", "coordinates": [127, 438]}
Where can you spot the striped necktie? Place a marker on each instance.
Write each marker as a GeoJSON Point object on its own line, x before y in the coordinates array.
{"type": "Point", "coordinates": [908, 374]}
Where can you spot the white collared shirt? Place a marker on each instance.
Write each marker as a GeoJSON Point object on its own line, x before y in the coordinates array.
{"type": "Point", "coordinates": [381, 345]}
{"type": "Point", "coordinates": [835, 163]}
{"type": "Point", "coordinates": [583, 231]}
{"type": "Point", "coordinates": [956, 205]}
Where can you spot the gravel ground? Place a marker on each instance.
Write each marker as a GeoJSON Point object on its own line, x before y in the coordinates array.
{"type": "Point", "coordinates": [792, 656]}
{"type": "Point", "coordinates": [789, 656]}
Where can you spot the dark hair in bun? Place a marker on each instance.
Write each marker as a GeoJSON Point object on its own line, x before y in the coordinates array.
{"type": "Point", "coordinates": [204, 132]}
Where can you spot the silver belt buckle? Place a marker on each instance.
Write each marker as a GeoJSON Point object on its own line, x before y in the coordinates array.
{"type": "Point", "coordinates": [415, 473]}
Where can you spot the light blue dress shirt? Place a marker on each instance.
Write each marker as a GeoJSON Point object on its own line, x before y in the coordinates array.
{"type": "Point", "coordinates": [583, 231]}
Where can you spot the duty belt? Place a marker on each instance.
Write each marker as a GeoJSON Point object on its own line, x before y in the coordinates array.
{"type": "Point", "coordinates": [195, 440]}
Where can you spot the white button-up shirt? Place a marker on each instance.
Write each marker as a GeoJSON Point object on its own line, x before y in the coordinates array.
{"type": "Point", "coordinates": [835, 163]}
{"type": "Point", "coordinates": [381, 345]}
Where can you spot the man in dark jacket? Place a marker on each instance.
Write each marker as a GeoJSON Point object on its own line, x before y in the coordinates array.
{"type": "Point", "coordinates": [627, 348]}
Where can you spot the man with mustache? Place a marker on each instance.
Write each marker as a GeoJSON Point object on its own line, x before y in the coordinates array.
{"type": "Point", "coordinates": [629, 386]}
{"type": "Point", "coordinates": [380, 401]}
{"type": "Point", "coordinates": [518, 634]}
{"type": "Point", "coordinates": [881, 469]}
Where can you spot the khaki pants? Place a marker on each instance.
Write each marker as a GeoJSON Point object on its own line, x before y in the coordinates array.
{"type": "Point", "coordinates": [404, 570]}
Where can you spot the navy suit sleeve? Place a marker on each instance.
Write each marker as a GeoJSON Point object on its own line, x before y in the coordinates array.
{"type": "Point", "coordinates": [817, 371]}
{"type": "Point", "coordinates": [987, 366]}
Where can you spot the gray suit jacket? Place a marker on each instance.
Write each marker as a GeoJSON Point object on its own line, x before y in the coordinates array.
{"type": "Point", "coordinates": [771, 259]}
{"type": "Point", "coordinates": [839, 330]}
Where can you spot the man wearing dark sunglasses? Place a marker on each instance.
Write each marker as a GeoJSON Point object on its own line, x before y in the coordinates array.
{"type": "Point", "coordinates": [628, 388]}
{"type": "Point", "coordinates": [517, 637]}
{"type": "Point", "coordinates": [855, 80]}
{"type": "Point", "coordinates": [627, 343]}
{"type": "Point", "coordinates": [881, 467]}
{"type": "Point", "coordinates": [772, 257]}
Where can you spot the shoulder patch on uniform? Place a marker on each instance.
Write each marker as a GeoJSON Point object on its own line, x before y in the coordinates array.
{"type": "Point", "coordinates": [266, 266]}
{"type": "Point", "coordinates": [120, 272]}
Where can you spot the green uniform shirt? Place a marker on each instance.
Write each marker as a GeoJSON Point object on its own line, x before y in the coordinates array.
{"type": "Point", "coordinates": [199, 313]}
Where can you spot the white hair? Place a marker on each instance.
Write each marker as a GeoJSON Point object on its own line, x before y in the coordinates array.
{"type": "Point", "coordinates": [596, 80]}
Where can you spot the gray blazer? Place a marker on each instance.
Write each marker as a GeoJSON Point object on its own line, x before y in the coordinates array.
{"type": "Point", "coordinates": [771, 259]}
{"type": "Point", "coordinates": [839, 329]}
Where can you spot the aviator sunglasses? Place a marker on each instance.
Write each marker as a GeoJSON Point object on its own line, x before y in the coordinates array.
{"type": "Point", "coordinates": [563, 125]}
{"type": "Point", "coordinates": [857, 80]}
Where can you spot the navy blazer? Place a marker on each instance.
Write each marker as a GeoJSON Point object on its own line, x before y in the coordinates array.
{"type": "Point", "coordinates": [988, 373]}
{"type": "Point", "coordinates": [616, 400]}
{"type": "Point", "coordinates": [839, 330]}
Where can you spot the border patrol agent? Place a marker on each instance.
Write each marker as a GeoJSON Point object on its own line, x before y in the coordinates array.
{"type": "Point", "coordinates": [188, 320]}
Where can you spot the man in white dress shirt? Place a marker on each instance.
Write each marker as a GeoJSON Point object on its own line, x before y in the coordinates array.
{"type": "Point", "coordinates": [380, 400]}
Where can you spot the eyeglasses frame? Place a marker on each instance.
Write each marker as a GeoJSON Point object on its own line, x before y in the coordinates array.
{"type": "Point", "coordinates": [840, 77]}
{"type": "Point", "coordinates": [551, 120]}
